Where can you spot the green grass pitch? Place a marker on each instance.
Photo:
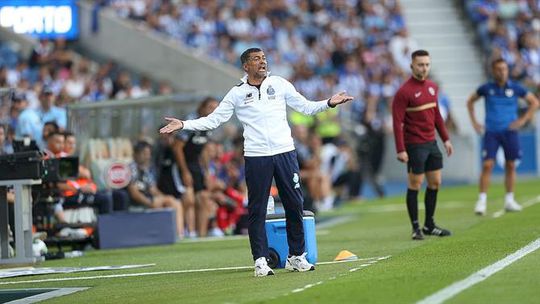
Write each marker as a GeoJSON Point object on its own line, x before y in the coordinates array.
{"type": "Point", "coordinates": [416, 269]}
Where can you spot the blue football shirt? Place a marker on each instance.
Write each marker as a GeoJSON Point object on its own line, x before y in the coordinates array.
{"type": "Point", "coordinates": [501, 104]}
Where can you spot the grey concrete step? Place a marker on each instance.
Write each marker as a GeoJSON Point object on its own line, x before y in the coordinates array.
{"type": "Point", "coordinates": [439, 27]}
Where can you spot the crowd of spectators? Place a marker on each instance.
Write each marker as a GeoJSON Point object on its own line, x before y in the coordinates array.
{"type": "Point", "coordinates": [510, 29]}
{"type": "Point", "coordinates": [323, 46]}
{"type": "Point", "coordinates": [37, 88]}
{"type": "Point", "coordinates": [70, 76]}
{"type": "Point", "coordinates": [362, 47]}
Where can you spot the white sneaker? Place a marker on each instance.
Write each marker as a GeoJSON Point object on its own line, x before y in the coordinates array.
{"type": "Point", "coordinates": [480, 208]}
{"type": "Point", "coordinates": [261, 268]}
{"type": "Point", "coordinates": [216, 232]}
{"type": "Point", "coordinates": [512, 206]}
{"type": "Point", "coordinates": [298, 263]}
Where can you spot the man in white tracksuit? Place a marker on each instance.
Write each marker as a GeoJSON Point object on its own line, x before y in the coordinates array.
{"type": "Point", "coordinates": [259, 102]}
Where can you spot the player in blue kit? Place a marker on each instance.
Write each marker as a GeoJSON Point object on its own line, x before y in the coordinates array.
{"type": "Point", "coordinates": [501, 125]}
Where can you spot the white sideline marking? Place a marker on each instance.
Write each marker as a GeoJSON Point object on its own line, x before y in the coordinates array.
{"type": "Point", "coordinates": [213, 239]}
{"type": "Point", "coordinates": [372, 259]}
{"type": "Point", "coordinates": [47, 295]}
{"type": "Point", "coordinates": [333, 222]}
{"type": "Point", "coordinates": [526, 204]}
{"type": "Point", "coordinates": [322, 232]}
{"type": "Point", "coordinates": [370, 262]}
{"type": "Point", "coordinates": [498, 213]}
{"type": "Point", "coordinates": [403, 207]}
{"type": "Point", "coordinates": [306, 287]}
{"type": "Point", "coordinates": [477, 277]}
{"type": "Point", "coordinates": [141, 274]}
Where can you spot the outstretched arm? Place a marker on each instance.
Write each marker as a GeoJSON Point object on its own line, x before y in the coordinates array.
{"type": "Point", "coordinates": [338, 99]}
{"type": "Point", "coordinates": [173, 125]}
{"type": "Point", "coordinates": [220, 115]}
{"type": "Point", "coordinates": [298, 102]}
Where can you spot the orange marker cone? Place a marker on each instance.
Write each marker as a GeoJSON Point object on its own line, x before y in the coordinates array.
{"type": "Point", "coordinates": [346, 255]}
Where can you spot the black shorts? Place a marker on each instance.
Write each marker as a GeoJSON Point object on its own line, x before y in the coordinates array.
{"type": "Point", "coordinates": [198, 176]}
{"type": "Point", "coordinates": [424, 157]}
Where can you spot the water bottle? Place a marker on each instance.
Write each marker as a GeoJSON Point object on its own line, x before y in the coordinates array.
{"type": "Point", "coordinates": [270, 206]}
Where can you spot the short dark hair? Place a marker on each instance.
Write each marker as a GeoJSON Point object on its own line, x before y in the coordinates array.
{"type": "Point", "coordinates": [140, 146]}
{"type": "Point", "coordinates": [419, 53]}
{"type": "Point", "coordinates": [245, 55]}
{"type": "Point", "coordinates": [497, 61]}
{"type": "Point", "coordinates": [205, 102]}
{"type": "Point", "coordinates": [68, 134]}
{"type": "Point", "coordinates": [53, 124]}
{"type": "Point", "coordinates": [55, 133]}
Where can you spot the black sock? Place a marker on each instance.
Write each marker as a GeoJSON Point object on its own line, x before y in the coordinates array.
{"type": "Point", "coordinates": [430, 201]}
{"type": "Point", "coordinates": [412, 207]}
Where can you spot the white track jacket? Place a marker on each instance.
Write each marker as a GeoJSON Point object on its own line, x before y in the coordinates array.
{"type": "Point", "coordinates": [263, 114]}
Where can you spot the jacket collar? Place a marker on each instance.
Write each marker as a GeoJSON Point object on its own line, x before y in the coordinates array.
{"type": "Point", "coordinates": [244, 79]}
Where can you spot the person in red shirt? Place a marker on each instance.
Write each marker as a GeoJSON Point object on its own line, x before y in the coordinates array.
{"type": "Point", "coordinates": [416, 115]}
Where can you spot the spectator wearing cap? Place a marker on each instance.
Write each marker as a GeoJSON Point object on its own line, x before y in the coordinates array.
{"type": "Point", "coordinates": [48, 111]}
{"type": "Point", "coordinates": [31, 121]}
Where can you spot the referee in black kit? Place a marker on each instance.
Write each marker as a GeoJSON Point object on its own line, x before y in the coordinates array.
{"type": "Point", "coordinates": [260, 103]}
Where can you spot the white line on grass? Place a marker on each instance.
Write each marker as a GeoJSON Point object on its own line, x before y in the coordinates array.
{"type": "Point", "coordinates": [47, 295]}
{"type": "Point", "coordinates": [334, 222]}
{"type": "Point", "coordinates": [403, 207]}
{"type": "Point", "coordinates": [306, 287]}
{"type": "Point", "coordinates": [375, 259]}
{"type": "Point", "coordinates": [214, 239]}
{"type": "Point", "coordinates": [141, 274]}
{"type": "Point", "coordinates": [526, 204]}
{"type": "Point", "coordinates": [477, 277]}
{"type": "Point", "coordinates": [366, 264]}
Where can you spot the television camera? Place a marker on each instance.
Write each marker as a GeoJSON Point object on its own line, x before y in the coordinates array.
{"type": "Point", "coordinates": [29, 163]}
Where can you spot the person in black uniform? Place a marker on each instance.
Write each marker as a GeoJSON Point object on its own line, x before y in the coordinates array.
{"type": "Point", "coordinates": [187, 148]}
{"type": "Point", "coordinates": [168, 173]}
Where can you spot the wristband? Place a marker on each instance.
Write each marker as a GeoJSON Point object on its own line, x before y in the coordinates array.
{"type": "Point", "coordinates": [328, 103]}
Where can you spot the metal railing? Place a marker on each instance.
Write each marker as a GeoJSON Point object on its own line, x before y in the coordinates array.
{"type": "Point", "coordinates": [133, 119]}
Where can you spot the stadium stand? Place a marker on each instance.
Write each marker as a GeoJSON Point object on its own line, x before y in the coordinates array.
{"type": "Point", "coordinates": [511, 30]}
{"type": "Point", "coordinates": [350, 33]}
{"type": "Point", "coordinates": [71, 76]}
{"type": "Point", "coordinates": [360, 47]}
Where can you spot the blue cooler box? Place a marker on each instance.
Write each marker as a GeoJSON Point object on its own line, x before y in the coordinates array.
{"type": "Point", "coordinates": [277, 239]}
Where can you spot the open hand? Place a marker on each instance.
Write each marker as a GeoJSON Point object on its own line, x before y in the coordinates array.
{"type": "Point", "coordinates": [173, 125]}
{"type": "Point", "coordinates": [339, 98]}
